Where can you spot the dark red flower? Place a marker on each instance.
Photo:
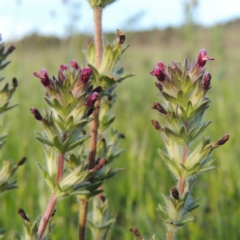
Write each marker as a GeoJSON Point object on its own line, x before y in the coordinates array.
{"type": "Point", "coordinates": [85, 75]}
{"type": "Point", "coordinates": [43, 77]}
{"type": "Point", "coordinates": [63, 67]}
{"type": "Point", "coordinates": [206, 81]}
{"type": "Point", "coordinates": [92, 99]}
{"type": "Point", "coordinates": [159, 72]}
{"type": "Point", "coordinates": [203, 58]}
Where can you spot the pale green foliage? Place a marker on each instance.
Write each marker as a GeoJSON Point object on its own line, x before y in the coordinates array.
{"type": "Point", "coordinates": [8, 167]}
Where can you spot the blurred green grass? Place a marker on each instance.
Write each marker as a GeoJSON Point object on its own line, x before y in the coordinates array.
{"type": "Point", "coordinates": [135, 192]}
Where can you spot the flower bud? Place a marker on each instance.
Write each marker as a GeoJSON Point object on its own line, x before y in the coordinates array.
{"type": "Point", "coordinates": [121, 36]}
{"type": "Point", "coordinates": [36, 114]}
{"type": "Point", "coordinates": [63, 67]}
{"type": "Point", "coordinates": [11, 49]}
{"type": "Point", "coordinates": [159, 72]}
{"type": "Point", "coordinates": [102, 197]}
{"type": "Point", "coordinates": [97, 89]}
{"type": "Point", "coordinates": [14, 82]}
{"type": "Point", "coordinates": [156, 124]}
{"type": "Point", "coordinates": [43, 77]}
{"type": "Point", "coordinates": [22, 161]}
{"type": "Point", "coordinates": [23, 214]}
{"type": "Point", "coordinates": [85, 75]}
{"type": "Point", "coordinates": [223, 140]}
{"type": "Point", "coordinates": [203, 58]}
{"type": "Point", "coordinates": [159, 107]}
{"type": "Point", "coordinates": [74, 65]}
{"type": "Point", "coordinates": [206, 81]}
{"type": "Point", "coordinates": [175, 193]}
{"type": "Point", "coordinates": [92, 99]}
{"type": "Point", "coordinates": [61, 76]}
{"type": "Point", "coordinates": [159, 86]}
{"type": "Point", "coordinates": [135, 231]}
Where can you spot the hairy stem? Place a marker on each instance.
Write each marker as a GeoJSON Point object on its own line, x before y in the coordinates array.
{"type": "Point", "coordinates": [97, 12]}
{"type": "Point", "coordinates": [53, 200]}
{"type": "Point", "coordinates": [181, 181]}
{"type": "Point", "coordinates": [170, 234]}
{"type": "Point", "coordinates": [83, 204]}
{"type": "Point", "coordinates": [83, 208]}
{"type": "Point", "coordinates": [94, 135]}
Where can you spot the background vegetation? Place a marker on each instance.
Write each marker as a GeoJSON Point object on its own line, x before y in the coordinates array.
{"type": "Point", "coordinates": [134, 193]}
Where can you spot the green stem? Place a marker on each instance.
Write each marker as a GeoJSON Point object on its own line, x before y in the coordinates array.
{"type": "Point", "coordinates": [52, 201]}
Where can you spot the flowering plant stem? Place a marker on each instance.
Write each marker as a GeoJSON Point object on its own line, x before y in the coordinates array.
{"type": "Point", "coordinates": [53, 199]}
{"type": "Point", "coordinates": [181, 181]}
{"type": "Point", "coordinates": [183, 90]}
{"type": "Point", "coordinates": [83, 208]}
{"type": "Point", "coordinates": [170, 235]}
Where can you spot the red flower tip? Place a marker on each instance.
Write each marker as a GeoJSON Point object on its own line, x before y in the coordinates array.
{"type": "Point", "coordinates": [11, 49]}
{"type": "Point", "coordinates": [86, 74]}
{"type": "Point", "coordinates": [36, 114]}
{"type": "Point", "coordinates": [206, 81]}
{"type": "Point", "coordinates": [159, 72]}
{"type": "Point", "coordinates": [74, 65]}
{"type": "Point", "coordinates": [203, 58]}
{"type": "Point", "coordinates": [43, 77]}
{"type": "Point", "coordinates": [63, 67]}
{"type": "Point", "coordinates": [92, 99]}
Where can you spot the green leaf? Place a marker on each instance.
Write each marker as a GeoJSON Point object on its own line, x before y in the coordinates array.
{"type": "Point", "coordinates": [181, 98]}
{"type": "Point", "coordinates": [170, 164]}
{"type": "Point", "coordinates": [197, 132]}
{"type": "Point", "coordinates": [45, 175]}
{"type": "Point", "coordinates": [57, 144]}
{"type": "Point", "coordinates": [91, 54]}
{"type": "Point", "coordinates": [69, 146]}
{"type": "Point", "coordinates": [175, 136]}
{"type": "Point", "coordinates": [170, 98]}
{"type": "Point", "coordinates": [44, 140]}
{"type": "Point", "coordinates": [80, 192]}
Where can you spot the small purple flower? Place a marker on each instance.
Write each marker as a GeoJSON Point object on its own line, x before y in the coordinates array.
{"type": "Point", "coordinates": [206, 81]}
{"type": "Point", "coordinates": [74, 65]}
{"type": "Point", "coordinates": [203, 58]}
{"type": "Point", "coordinates": [159, 72]}
{"type": "Point", "coordinates": [92, 99]}
{"type": "Point", "coordinates": [85, 75]}
{"type": "Point", "coordinates": [43, 77]}
{"type": "Point", "coordinates": [63, 67]}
